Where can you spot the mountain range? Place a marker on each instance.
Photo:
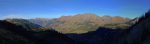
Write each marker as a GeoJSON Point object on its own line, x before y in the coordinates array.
{"type": "Point", "coordinates": [81, 23]}
{"type": "Point", "coordinates": [23, 31]}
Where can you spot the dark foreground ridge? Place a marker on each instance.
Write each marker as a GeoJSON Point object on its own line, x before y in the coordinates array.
{"type": "Point", "coordinates": [139, 33]}
{"type": "Point", "coordinates": [13, 34]}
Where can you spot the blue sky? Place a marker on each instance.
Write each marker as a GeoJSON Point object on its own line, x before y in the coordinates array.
{"type": "Point", "coordinates": [56, 8]}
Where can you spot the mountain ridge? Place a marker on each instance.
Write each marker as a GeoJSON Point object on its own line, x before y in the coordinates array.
{"type": "Point", "coordinates": [70, 24]}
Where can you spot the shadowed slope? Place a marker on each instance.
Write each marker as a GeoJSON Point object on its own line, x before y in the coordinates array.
{"type": "Point", "coordinates": [139, 33]}
{"type": "Point", "coordinates": [25, 37]}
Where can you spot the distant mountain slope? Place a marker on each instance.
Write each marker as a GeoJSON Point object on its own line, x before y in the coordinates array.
{"type": "Point", "coordinates": [81, 23]}
{"type": "Point", "coordinates": [44, 22]}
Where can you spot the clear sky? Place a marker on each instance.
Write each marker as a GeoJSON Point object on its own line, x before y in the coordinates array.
{"type": "Point", "coordinates": [57, 8]}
